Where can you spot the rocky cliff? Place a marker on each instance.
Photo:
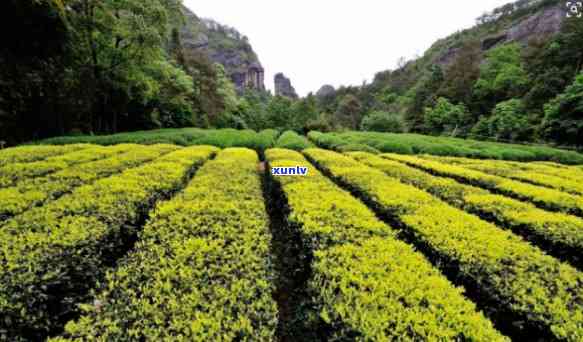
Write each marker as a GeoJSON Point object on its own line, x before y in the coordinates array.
{"type": "Point", "coordinates": [224, 45]}
{"type": "Point", "coordinates": [518, 22]}
{"type": "Point", "coordinates": [283, 87]}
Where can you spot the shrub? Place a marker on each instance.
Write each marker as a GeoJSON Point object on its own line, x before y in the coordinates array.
{"type": "Point", "coordinates": [383, 122]}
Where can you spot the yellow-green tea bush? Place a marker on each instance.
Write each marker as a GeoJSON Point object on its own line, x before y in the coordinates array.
{"type": "Point", "coordinates": [563, 233]}
{"type": "Point", "coordinates": [517, 277]}
{"type": "Point", "coordinates": [25, 154]}
{"type": "Point", "coordinates": [545, 198]}
{"type": "Point", "coordinates": [368, 284]}
{"type": "Point", "coordinates": [37, 191]}
{"type": "Point", "coordinates": [538, 175]}
{"type": "Point", "coordinates": [53, 255]}
{"type": "Point", "coordinates": [201, 270]}
{"type": "Point", "coordinates": [571, 173]}
{"type": "Point", "coordinates": [14, 172]}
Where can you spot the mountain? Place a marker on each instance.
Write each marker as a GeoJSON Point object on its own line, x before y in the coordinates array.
{"type": "Point", "coordinates": [519, 22]}
{"type": "Point", "coordinates": [224, 45]}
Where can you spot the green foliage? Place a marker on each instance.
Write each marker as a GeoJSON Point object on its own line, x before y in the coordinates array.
{"type": "Point", "coordinates": [563, 121]}
{"type": "Point", "coordinates": [446, 118]}
{"type": "Point", "coordinates": [349, 112]}
{"type": "Point", "coordinates": [504, 266]}
{"type": "Point", "coordinates": [59, 251]}
{"type": "Point", "coordinates": [508, 122]}
{"type": "Point", "coordinates": [204, 269]}
{"type": "Point", "coordinates": [184, 137]}
{"type": "Point", "coordinates": [502, 77]}
{"type": "Point", "coordinates": [31, 192]}
{"type": "Point", "coordinates": [358, 261]}
{"type": "Point", "coordinates": [292, 141]}
{"type": "Point", "coordinates": [557, 233]}
{"type": "Point", "coordinates": [382, 122]}
{"type": "Point", "coordinates": [421, 144]}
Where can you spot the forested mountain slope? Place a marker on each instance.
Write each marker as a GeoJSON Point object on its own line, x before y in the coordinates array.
{"type": "Point", "coordinates": [512, 77]}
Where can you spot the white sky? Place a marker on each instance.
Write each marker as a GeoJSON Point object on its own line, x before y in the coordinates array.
{"type": "Point", "coordinates": [317, 42]}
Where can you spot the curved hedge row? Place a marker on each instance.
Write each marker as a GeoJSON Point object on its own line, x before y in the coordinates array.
{"type": "Point", "coordinates": [518, 279]}
{"type": "Point", "coordinates": [293, 141]}
{"type": "Point", "coordinates": [26, 154]}
{"type": "Point", "coordinates": [54, 254]}
{"type": "Point", "coordinates": [36, 191]}
{"type": "Point", "coordinates": [572, 173]}
{"type": "Point", "coordinates": [545, 198]}
{"type": "Point", "coordinates": [566, 180]}
{"type": "Point", "coordinates": [201, 269]}
{"type": "Point", "coordinates": [15, 172]}
{"type": "Point", "coordinates": [561, 233]}
{"type": "Point", "coordinates": [369, 285]}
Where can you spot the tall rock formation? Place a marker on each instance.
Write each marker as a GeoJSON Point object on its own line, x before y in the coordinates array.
{"type": "Point", "coordinates": [325, 91]}
{"type": "Point", "coordinates": [224, 45]}
{"type": "Point", "coordinates": [283, 87]}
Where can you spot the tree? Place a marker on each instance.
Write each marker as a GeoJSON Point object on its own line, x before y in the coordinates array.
{"type": "Point", "coordinates": [305, 110]}
{"type": "Point", "coordinates": [463, 73]}
{"type": "Point", "coordinates": [502, 77]}
{"type": "Point", "coordinates": [280, 114]}
{"type": "Point", "coordinates": [383, 122]}
{"type": "Point", "coordinates": [510, 122]}
{"type": "Point", "coordinates": [446, 117]}
{"type": "Point", "coordinates": [563, 120]}
{"type": "Point", "coordinates": [424, 95]}
{"type": "Point", "coordinates": [349, 112]}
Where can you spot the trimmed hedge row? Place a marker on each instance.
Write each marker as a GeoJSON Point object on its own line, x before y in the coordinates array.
{"type": "Point", "coordinates": [26, 154]}
{"type": "Point", "coordinates": [561, 233]}
{"type": "Point", "coordinates": [563, 179]}
{"type": "Point", "coordinates": [546, 168]}
{"type": "Point", "coordinates": [15, 172]}
{"type": "Point", "coordinates": [537, 291]}
{"type": "Point", "coordinates": [182, 136]}
{"type": "Point", "coordinates": [545, 198]}
{"type": "Point", "coordinates": [201, 269]}
{"type": "Point", "coordinates": [37, 191]}
{"type": "Point", "coordinates": [293, 141]}
{"type": "Point", "coordinates": [443, 146]}
{"type": "Point", "coordinates": [53, 255]}
{"type": "Point", "coordinates": [368, 285]}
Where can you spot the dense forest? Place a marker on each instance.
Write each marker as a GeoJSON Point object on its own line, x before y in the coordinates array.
{"type": "Point", "coordinates": [73, 67]}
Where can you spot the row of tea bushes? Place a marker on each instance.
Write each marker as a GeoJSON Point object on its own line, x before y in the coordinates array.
{"type": "Point", "coordinates": [201, 269]}
{"type": "Point", "coordinates": [12, 173]}
{"type": "Point", "coordinates": [442, 146]}
{"type": "Point", "coordinates": [222, 138]}
{"type": "Point", "coordinates": [543, 197]}
{"type": "Point", "coordinates": [37, 191]}
{"type": "Point", "coordinates": [54, 254]}
{"type": "Point", "coordinates": [293, 141]}
{"type": "Point", "coordinates": [563, 179]}
{"type": "Point", "coordinates": [26, 154]}
{"type": "Point", "coordinates": [367, 284]}
{"type": "Point", "coordinates": [559, 233]}
{"type": "Point", "coordinates": [525, 287]}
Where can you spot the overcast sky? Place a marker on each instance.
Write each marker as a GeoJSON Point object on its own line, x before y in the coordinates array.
{"type": "Point", "coordinates": [317, 42]}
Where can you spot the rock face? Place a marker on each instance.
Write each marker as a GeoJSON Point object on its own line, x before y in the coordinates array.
{"type": "Point", "coordinates": [547, 22]}
{"type": "Point", "coordinates": [283, 87]}
{"type": "Point", "coordinates": [325, 91]}
{"type": "Point", "coordinates": [224, 45]}
{"type": "Point", "coordinates": [543, 22]}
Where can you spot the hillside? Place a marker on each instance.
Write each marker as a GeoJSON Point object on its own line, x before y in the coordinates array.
{"type": "Point", "coordinates": [224, 45]}
{"type": "Point", "coordinates": [512, 77]}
